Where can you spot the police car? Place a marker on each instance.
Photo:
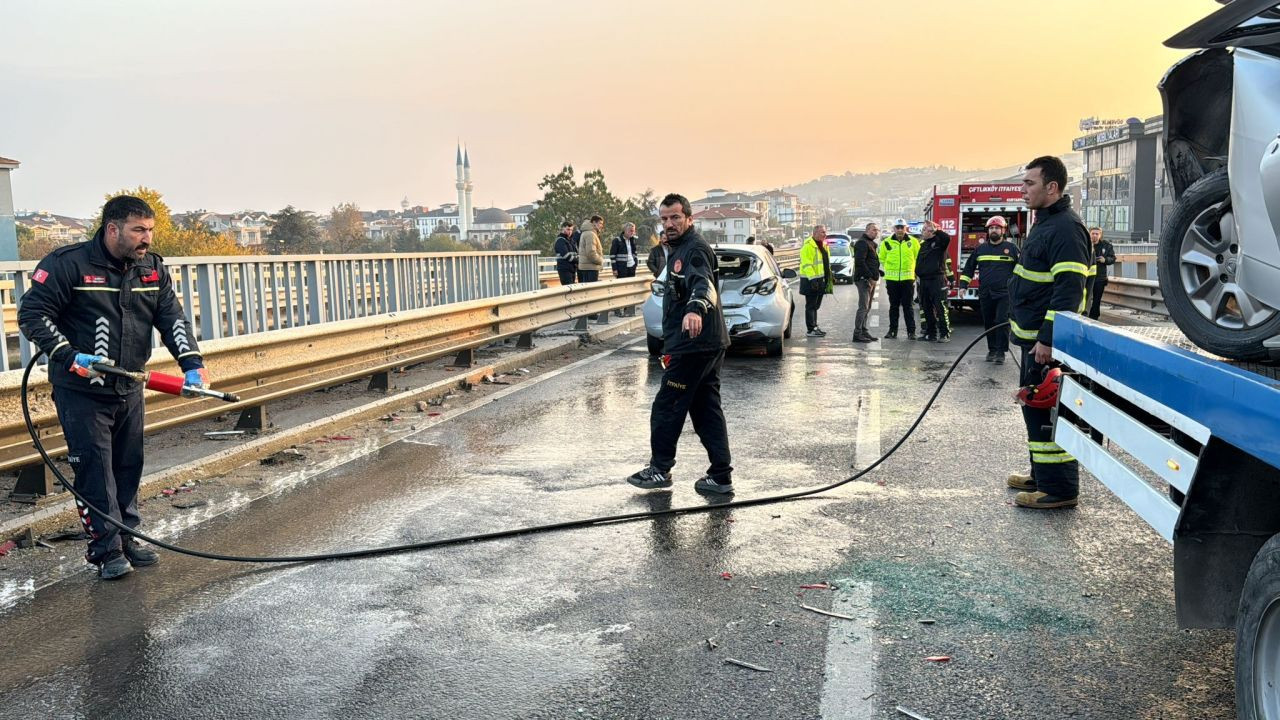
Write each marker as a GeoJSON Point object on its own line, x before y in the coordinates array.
{"type": "Point", "coordinates": [840, 248]}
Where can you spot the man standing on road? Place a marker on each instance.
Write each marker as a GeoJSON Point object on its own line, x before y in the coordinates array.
{"type": "Point", "coordinates": [992, 262]}
{"type": "Point", "coordinates": [898, 263]}
{"type": "Point", "coordinates": [816, 279]}
{"type": "Point", "coordinates": [657, 259]}
{"type": "Point", "coordinates": [866, 273]}
{"type": "Point", "coordinates": [622, 252]}
{"type": "Point", "coordinates": [590, 251]}
{"type": "Point", "coordinates": [1103, 255]}
{"type": "Point", "coordinates": [89, 302]}
{"type": "Point", "coordinates": [566, 254]}
{"type": "Point", "coordinates": [933, 267]}
{"type": "Point", "coordinates": [694, 339]}
{"type": "Point", "coordinates": [1048, 279]}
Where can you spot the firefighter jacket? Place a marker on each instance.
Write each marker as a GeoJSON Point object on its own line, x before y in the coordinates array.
{"type": "Point", "coordinates": [83, 300]}
{"type": "Point", "coordinates": [1103, 255]}
{"type": "Point", "coordinates": [815, 268]}
{"type": "Point", "coordinates": [691, 287]}
{"type": "Point", "coordinates": [866, 263]}
{"type": "Point", "coordinates": [898, 257]}
{"type": "Point", "coordinates": [1050, 276]}
{"type": "Point", "coordinates": [993, 265]}
{"type": "Point", "coordinates": [934, 259]}
{"type": "Point", "coordinates": [622, 253]}
{"type": "Point", "coordinates": [566, 253]}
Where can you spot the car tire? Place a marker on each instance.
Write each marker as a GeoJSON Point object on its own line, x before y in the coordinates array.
{"type": "Point", "coordinates": [1258, 637]}
{"type": "Point", "coordinates": [655, 344]}
{"type": "Point", "coordinates": [1197, 260]}
{"type": "Point", "coordinates": [786, 334]}
{"type": "Point", "coordinates": [774, 347]}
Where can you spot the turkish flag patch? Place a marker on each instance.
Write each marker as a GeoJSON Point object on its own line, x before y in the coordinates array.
{"type": "Point", "coordinates": [153, 277]}
{"type": "Point", "coordinates": [40, 276]}
{"type": "Point", "coordinates": [677, 266]}
{"type": "Point", "coordinates": [95, 280]}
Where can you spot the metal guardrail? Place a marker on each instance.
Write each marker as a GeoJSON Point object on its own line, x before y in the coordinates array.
{"type": "Point", "coordinates": [233, 296]}
{"type": "Point", "coordinates": [275, 364]}
{"type": "Point", "coordinates": [1134, 294]}
{"type": "Point", "coordinates": [1135, 248]}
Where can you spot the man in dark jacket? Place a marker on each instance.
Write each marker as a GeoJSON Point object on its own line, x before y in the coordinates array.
{"type": "Point", "coordinates": [566, 251]}
{"type": "Point", "coordinates": [1103, 255]}
{"type": "Point", "coordinates": [657, 259]}
{"type": "Point", "coordinates": [694, 339]}
{"type": "Point", "coordinates": [97, 302]}
{"type": "Point", "coordinates": [622, 252]}
{"type": "Point", "coordinates": [866, 273]}
{"type": "Point", "coordinates": [1049, 279]}
{"type": "Point", "coordinates": [933, 270]}
{"type": "Point", "coordinates": [992, 263]}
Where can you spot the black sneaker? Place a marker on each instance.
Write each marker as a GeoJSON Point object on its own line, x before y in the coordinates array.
{"type": "Point", "coordinates": [820, 331]}
{"type": "Point", "coordinates": [139, 555]}
{"type": "Point", "coordinates": [114, 565]}
{"type": "Point", "coordinates": [860, 339]}
{"type": "Point", "coordinates": [911, 335]}
{"type": "Point", "coordinates": [999, 359]}
{"type": "Point", "coordinates": [927, 338]}
{"type": "Point", "coordinates": [991, 356]}
{"type": "Point", "coordinates": [891, 335]}
{"type": "Point", "coordinates": [650, 478]}
{"type": "Point", "coordinates": [868, 337]}
{"type": "Point", "coordinates": [707, 486]}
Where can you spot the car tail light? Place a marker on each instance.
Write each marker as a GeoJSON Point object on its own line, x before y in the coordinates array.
{"type": "Point", "coordinates": [764, 287]}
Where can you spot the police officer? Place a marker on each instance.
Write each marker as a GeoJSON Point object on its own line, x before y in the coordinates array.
{"type": "Point", "coordinates": [933, 270]}
{"type": "Point", "coordinates": [694, 339]}
{"type": "Point", "coordinates": [97, 302]}
{"type": "Point", "coordinates": [992, 262]}
{"type": "Point", "coordinates": [898, 265]}
{"type": "Point", "coordinates": [1048, 279]}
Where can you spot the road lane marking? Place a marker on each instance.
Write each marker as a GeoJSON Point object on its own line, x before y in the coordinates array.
{"type": "Point", "coordinates": [849, 683]}
{"type": "Point", "coordinates": [867, 443]}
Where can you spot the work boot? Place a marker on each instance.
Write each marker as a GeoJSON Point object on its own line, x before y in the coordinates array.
{"type": "Point", "coordinates": [708, 486]}
{"type": "Point", "coordinates": [911, 334]}
{"type": "Point", "coordinates": [991, 356]}
{"type": "Point", "coordinates": [1043, 501]}
{"type": "Point", "coordinates": [860, 339]}
{"type": "Point", "coordinates": [999, 359]}
{"type": "Point", "coordinates": [139, 555]}
{"type": "Point", "coordinates": [1022, 481]}
{"type": "Point", "coordinates": [868, 337]}
{"type": "Point", "coordinates": [113, 565]}
{"type": "Point", "coordinates": [820, 331]}
{"type": "Point", "coordinates": [650, 478]}
{"type": "Point", "coordinates": [891, 335]}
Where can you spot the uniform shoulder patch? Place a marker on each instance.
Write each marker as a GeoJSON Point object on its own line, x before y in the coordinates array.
{"type": "Point", "coordinates": [40, 275]}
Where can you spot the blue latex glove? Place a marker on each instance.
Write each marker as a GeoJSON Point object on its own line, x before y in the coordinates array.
{"type": "Point", "coordinates": [82, 365]}
{"type": "Point", "coordinates": [196, 378]}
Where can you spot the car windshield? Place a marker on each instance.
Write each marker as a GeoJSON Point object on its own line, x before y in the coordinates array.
{"type": "Point", "coordinates": [839, 251]}
{"type": "Point", "coordinates": [734, 266]}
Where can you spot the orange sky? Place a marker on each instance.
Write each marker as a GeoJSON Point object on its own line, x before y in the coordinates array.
{"type": "Point", "coordinates": [255, 104]}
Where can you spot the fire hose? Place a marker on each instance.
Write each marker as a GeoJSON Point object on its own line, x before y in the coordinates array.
{"type": "Point", "coordinates": [174, 386]}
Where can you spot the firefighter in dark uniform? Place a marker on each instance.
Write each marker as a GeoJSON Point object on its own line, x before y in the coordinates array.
{"type": "Point", "coordinates": [1103, 255]}
{"type": "Point", "coordinates": [96, 302]}
{"type": "Point", "coordinates": [933, 270]}
{"type": "Point", "coordinates": [1049, 279]}
{"type": "Point", "coordinates": [993, 262]}
{"type": "Point", "coordinates": [694, 339]}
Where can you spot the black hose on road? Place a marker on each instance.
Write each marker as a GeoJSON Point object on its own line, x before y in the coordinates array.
{"type": "Point", "coordinates": [480, 537]}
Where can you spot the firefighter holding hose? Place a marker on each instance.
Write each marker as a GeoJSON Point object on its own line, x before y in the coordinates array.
{"type": "Point", "coordinates": [97, 302]}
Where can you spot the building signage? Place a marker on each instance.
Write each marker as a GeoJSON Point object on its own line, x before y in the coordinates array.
{"type": "Point", "coordinates": [1112, 135]}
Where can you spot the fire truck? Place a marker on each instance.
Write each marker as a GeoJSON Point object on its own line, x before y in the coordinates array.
{"type": "Point", "coordinates": [964, 217]}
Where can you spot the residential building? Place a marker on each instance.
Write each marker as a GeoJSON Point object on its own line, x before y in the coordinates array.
{"type": "Point", "coordinates": [56, 229]}
{"type": "Point", "coordinates": [718, 198]}
{"type": "Point", "coordinates": [8, 233]}
{"type": "Point", "coordinates": [783, 207]}
{"type": "Point", "coordinates": [736, 224]}
{"type": "Point", "coordinates": [520, 215]}
{"type": "Point", "coordinates": [249, 228]}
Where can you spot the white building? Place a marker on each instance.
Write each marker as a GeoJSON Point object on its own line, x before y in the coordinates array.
{"type": "Point", "coordinates": [718, 198]}
{"type": "Point", "coordinates": [520, 215]}
{"type": "Point", "coordinates": [736, 224]}
{"type": "Point", "coordinates": [58, 229]}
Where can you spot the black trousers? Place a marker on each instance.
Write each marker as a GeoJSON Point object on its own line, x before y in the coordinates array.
{"type": "Point", "coordinates": [690, 387]}
{"type": "Point", "coordinates": [588, 275]}
{"type": "Point", "coordinates": [995, 310]}
{"type": "Point", "coordinates": [104, 448]}
{"type": "Point", "coordinates": [1054, 471]}
{"type": "Point", "coordinates": [1095, 297]}
{"type": "Point", "coordinates": [567, 277]}
{"type": "Point", "coordinates": [900, 292]}
{"type": "Point", "coordinates": [933, 303]}
{"type": "Point", "coordinates": [622, 271]}
{"type": "Point", "coordinates": [812, 301]}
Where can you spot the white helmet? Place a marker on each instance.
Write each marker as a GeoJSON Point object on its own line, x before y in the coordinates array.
{"type": "Point", "coordinates": [900, 222]}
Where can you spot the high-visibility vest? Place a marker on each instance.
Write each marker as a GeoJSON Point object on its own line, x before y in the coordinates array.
{"type": "Point", "coordinates": [898, 257]}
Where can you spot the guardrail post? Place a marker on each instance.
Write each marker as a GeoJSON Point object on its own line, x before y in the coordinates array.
{"type": "Point", "coordinates": [525, 342]}
{"type": "Point", "coordinates": [34, 482]}
{"type": "Point", "coordinates": [380, 381]}
{"type": "Point", "coordinates": [253, 418]}
{"type": "Point", "coordinates": [465, 358]}
{"type": "Point", "coordinates": [602, 317]}
{"type": "Point", "coordinates": [581, 325]}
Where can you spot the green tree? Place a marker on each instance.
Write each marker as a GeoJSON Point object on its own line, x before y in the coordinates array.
{"type": "Point", "coordinates": [443, 242]}
{"type": "Point", "coordinates": [29, 248]}
{"type": "Point", "coordinates": [406, 240]}
{"type": "Point", "coordinates": [344, 230]}
{"type": "Point", "coordinates": [563, 198]}
{"type": "Point", "coordinates": [294, 232]}
{"type": "Point", "coordinates": [170, 240]}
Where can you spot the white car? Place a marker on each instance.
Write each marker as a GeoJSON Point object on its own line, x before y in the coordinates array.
{"type": "Point", "coordinates": [840, 248]}
{"type": "Point", "coordinates": [755, 293]}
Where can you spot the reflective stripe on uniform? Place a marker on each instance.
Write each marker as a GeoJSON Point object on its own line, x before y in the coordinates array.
{"type": "Point", "coordinates": [1032, 275]}
{"type": "Point", "coordinates": [1043, 447]}
{"type": "Point", "coordinates": [146, 289]}
{"type": "Point", "coordinates": [1074, 267]}
{"type": "Point", "coordinates": [965, 278]}
{"type": "Point", "coordinates": [1022, 334]}
{"type": "Point", "coordinates": [995, 258]}
{"type": "Point", "coordinates": [1049, 316]}
{"type": "Point", "coordinates": [95, 289]}
{"type": "Point", "coordinates": [1051, 458]}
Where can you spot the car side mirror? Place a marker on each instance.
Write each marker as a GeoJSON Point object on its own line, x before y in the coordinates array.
{"type": "Point", "coordinates": [788, 274]}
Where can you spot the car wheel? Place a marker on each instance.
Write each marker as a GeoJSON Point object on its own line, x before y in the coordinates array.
{"type": "Point", "coordinates": [1258, 637]}
{"type": "Point", "coordinates": [1197, 259]}
{"type": "Point", "coordinates": [655, 345]}
{"type": "Point", "coordinates": [786, 334]}
{"type": "Point", "coordinates": [773, 347]}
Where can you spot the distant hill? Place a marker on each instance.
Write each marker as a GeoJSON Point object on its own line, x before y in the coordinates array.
{"type": "Point", "coordinates": [859, 188]}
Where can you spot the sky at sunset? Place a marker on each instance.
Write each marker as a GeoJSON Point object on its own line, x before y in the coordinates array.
{"type": "Point", "coordinates": [257, 104]}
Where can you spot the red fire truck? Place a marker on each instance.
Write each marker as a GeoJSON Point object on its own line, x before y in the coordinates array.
{"type": "Point", "coordinates": [964, 217]}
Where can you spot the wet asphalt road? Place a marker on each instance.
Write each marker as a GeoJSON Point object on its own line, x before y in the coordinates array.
{"type": "Point", "coordinates": [1068, 614]}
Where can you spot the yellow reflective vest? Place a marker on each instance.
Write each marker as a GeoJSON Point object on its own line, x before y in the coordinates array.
{"type": "Point", "coordinates": [898, 257]}
{"type": "Point", "coordinates": [811, 266]}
